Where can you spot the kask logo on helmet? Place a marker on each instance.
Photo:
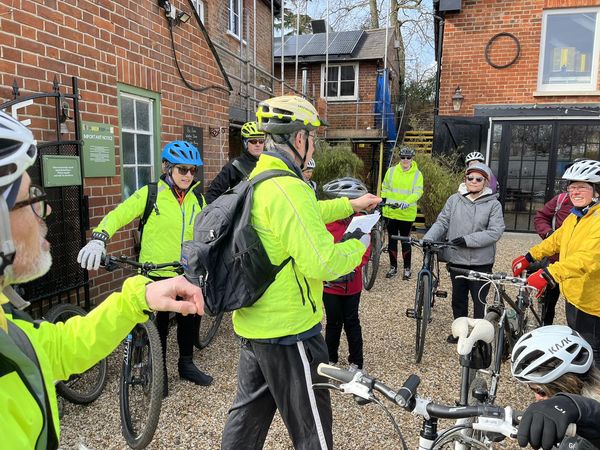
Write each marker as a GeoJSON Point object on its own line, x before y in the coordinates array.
{"type": "Point", "coordinates": [560, 345]}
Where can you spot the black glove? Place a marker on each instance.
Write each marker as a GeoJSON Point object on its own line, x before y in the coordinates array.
{"type": "Point", "coordinates": [545, 423]}
{"type": "Point", "coordinates": [459, 241]}
{"type": "Point", "coordinates": [356, 234]}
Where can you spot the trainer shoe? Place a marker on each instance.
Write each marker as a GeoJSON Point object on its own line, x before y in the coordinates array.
{"type": "Point", "coordinates": [407, 274]}
{"type": "Point", "coordinates": [451, 339]}
{"type": "Point", "coordinates": [391, 273]}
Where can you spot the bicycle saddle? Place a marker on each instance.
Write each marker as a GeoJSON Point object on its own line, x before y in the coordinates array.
{"type": "Point", "coordinates": [469, 331]}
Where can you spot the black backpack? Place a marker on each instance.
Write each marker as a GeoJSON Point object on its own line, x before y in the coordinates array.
{"type": "Point", "coordinates": [151, 205]}
{"type": "Point", "coordinates": [227, 256]}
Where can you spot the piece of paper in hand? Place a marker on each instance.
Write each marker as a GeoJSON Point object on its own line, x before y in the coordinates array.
{"type": "Point", "coordinates": [365, 222]}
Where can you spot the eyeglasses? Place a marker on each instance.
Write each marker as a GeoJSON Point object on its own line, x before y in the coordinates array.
{"type": "Point", "coordinates": [579, 188]}
{"type": "Point", "coordinates": [184, 170]}
{"type": "Point", "coordinates": [538, 390]}
{"type": "Point", "coordinates": [37, 200]}
{"type": "Point", "coordinates": [256, 141]}
{"type": "Point", "coordinates": [406, 157]}
{"type": "Point", "coordinates": [478, 179]}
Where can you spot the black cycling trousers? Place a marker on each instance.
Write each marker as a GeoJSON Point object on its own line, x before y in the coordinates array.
{"type": "Point", "coordinates": [185, 332]}
{"type": "Point", "coordinates": [461, 288]}
{"type": "Point", "coordinates": [393, 228]}
{"type": "Point", "coordinates": [342, 312]}
{"type": "Point", "coordinates": [549, 300]}
{"type": "Point", "coordinates": [279, 377]}
{"type": "Point", "coordinates": [586, 325]}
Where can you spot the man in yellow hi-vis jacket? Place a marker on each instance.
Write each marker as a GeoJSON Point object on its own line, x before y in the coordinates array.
{"type": "Point", "coordinates": [403, 187]}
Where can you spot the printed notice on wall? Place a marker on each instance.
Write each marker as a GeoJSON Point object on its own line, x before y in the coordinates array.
{"type": "Point", "coordinates": [98, 149]}
{"type": "Point", "coordinates": [58, 170]}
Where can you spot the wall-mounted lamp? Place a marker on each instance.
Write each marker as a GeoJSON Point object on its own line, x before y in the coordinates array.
{"type": "Point", "coordinates": [182, 17]}
{"type": "Point", "coordinates": [64, 116]}
{"type": "Point", "coordinates": [457, 99]}
{"type": "Point", "coordinates": [172, 14]}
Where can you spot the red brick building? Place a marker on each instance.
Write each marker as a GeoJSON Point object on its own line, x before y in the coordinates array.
{"type": "Point", "coordinates": [528, 78]}
{"type": "Point", "coordinates": [355, 61]}
{"type": "Point", "coordinates": [122, 65]}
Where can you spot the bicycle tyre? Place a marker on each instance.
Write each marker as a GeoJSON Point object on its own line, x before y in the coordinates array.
{"type": "Point", "coordinates": [147, 361]}
{"type": "Point", "coordinates": [205, 329]}
{"type": "Point", "coordinates": [86, 387]}
{"type": "Point", "coordinates": [371, 268]}
{"type": "Point", "coordinates": [422, 314]}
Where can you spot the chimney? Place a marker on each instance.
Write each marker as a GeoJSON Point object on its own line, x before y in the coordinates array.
{"type": "Point", "coordinates": [318, 26]}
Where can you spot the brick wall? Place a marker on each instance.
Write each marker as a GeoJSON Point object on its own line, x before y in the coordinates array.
{"type": "Point", "coordinates": [463, 62]}
{"type": "Point", "coordinates": [105, 42]}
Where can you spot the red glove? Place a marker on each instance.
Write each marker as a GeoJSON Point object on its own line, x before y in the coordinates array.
{"type": "Point", "coordinates": [519, 264]}
{"type": "Point", "coordinates": [539, 280]}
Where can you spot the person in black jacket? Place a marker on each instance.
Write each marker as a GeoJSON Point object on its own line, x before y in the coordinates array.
{"type": "Point", "coordinates": [239, 168]}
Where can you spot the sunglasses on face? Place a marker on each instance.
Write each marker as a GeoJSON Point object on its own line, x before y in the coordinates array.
{"type": "Point", "coordinates": [184, 170]}
{"type": "Point", "coordinates": [406, 157]}
{"type": "Point", "coordinates": [478, 179]}
{"type": "Point", "coordinates": [256, 141]}
{"type": "Point", "coordinates": [538, 390]}
{"type": "Point", "coordinates": [37, 201]}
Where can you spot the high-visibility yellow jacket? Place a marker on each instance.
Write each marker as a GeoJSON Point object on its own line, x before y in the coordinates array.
{"type": "Point", "coordinates": [401, 186]}
{"type": "Point", "coordinates": [29, 412]}
{"type": "Point", "coordinates": [577, 242]}
{"type": "Point", "coordinates": [168, 225]}
{"type": "Point", "coordinates": [291, 222]}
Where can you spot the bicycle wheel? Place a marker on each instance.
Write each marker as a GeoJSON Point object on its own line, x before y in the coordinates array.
{"type": "Point", "coordinates": [141, 386]}
{"type": "Point", "coordinates": [422, 314]}
{"type": "Point", "coordinates": [81, 388]}
{"type": "Point", "coordinates": [206, 328]}
{"type": "Point", "coordinates": [371, 268]}
{"type": "Point", "coordinates": [533, 315]}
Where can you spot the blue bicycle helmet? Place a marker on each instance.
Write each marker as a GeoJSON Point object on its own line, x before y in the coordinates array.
{"type": "Point", "coordinates": [182, 152]}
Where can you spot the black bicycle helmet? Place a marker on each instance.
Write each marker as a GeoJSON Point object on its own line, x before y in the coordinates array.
{"type": "Point", "coordinates": [345, 187]}
{"type": "Point", "coordinates": [407, 152]}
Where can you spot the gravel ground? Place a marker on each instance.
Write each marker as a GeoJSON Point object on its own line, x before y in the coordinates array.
{"type": "Point", "coordinates": [193, 417]}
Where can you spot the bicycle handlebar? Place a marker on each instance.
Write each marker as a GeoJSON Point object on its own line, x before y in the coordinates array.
{"type": "Point", "coordinates": [422, 242]}
{"type": "Point", "coordinates": [111, 263]}
{"type": "Point", "coordinates": [495, 277]}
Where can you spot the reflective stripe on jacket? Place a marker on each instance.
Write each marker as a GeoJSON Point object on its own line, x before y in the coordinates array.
{"type": "Point", "coordinates": [401, 186]}
{"type": "Point", "coordinates": [578, 269]}
{"type": "Point", "coordinates": [61, 349]}
{"type": "Point", "coordinates": [291, 222]}
{"type": "Point", "coordinates": [168, 225]}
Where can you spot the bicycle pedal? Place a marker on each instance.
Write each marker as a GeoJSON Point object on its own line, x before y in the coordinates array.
{"type": "Point", "coordinates": [410, 313]}
{"type": "Point", "coordinates": [441, 294]}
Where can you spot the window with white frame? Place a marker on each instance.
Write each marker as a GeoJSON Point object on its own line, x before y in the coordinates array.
{"type": "Point", "coordinates": [341, 83]}
{"type": "Point", "coordinates": [569, 50]}
{"type": "Point", "coordinates": [137, 142]}
{"type": "Point", "coordinates": [199, 7]}
{"type": "Point", "coordinates": [235, 17]}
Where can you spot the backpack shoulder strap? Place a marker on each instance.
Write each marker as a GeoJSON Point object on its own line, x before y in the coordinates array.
{"type": "Point", "coordinates": [271, 174]}
{"type": "Point", "coordinates": [150, 202]}
{"type": "Point", "coordinates": [198, 193]}
{"type": "Point", "coordinates": [240, 168]}
{"type": "Point", "coordinates": [559, 202]}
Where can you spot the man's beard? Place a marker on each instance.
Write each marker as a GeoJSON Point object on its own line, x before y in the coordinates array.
{"type": "Point", "coordinates": [30, 267]}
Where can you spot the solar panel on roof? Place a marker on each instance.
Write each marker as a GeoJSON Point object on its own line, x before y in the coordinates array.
{"type": "Point", "coordinates": [340, 43]}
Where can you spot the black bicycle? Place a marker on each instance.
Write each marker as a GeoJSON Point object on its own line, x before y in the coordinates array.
{"type": "Point", "coordinates": [428, 281]}
{"type": "Point", "coordinates": [206, 328]}
{"type": "Point", "coordinates": [85, 387]}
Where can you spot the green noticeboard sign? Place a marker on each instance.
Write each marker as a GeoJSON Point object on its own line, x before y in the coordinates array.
{"type": "Point", "coordinates": [98, 149]}
{"type": "Point", "coordinates": [61, 170]}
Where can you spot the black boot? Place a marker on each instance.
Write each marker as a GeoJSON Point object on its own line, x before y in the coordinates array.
{"type": "Point", "coordinates": [188, 371]}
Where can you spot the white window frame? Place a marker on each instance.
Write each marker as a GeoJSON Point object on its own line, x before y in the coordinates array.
{"type": "Point", "coordinates": [231, 13]}
{"type": "Point", "coordinates": [339, 66]}
{"type": "Point", "coordinates": [199, 7]}
{"type": "Point", "coordinates": [564, 87]}
{"type": "Point", "coordinates": [150, 103]}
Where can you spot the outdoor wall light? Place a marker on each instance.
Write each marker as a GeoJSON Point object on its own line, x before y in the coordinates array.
{"type": "Point", "coordinates": [172, 14]}
{"type": "Point", "coordinates": [64, 116]}
{"type": "Point", "coordinates": [457, 99]}
{"type": "Point", "coordinates": [182, 17]}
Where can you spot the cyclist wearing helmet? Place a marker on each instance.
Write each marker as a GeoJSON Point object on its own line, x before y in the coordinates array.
{"type": "Point", "coordinates": [281, 333]}
{"type": "Point", "coordinates": [33, 356]}
{"type": "Point", "coordinates": [476, 157]}
{"type": "Point", "coordinates": [253, 143]}
{"type": "Point", "coordinates": [577, 242]}
{"type": "Point", "coordinates": [341, 297]}
{"type": "Point", "coordinates": [472, 221]}
{"type": "Point", "coordinates": [170, 222]}
{"type": "Point", "coordinates": [557, 365]}
{"type": "Point", "coordinates": [308, 173]}
{"type": "Point", "coordinates": [402, 186]}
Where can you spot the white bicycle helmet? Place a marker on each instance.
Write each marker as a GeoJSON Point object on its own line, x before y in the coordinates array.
{"type": "Point", "coordinates": [345, 187]}
{"type": "Point", "coordinates": [474, 156]}
{"type": "Point", "coordinates": [544, 354]}
{"type": "Point", "coordinates": [17, 150]}
{"type": "Point", "coordinates": [587, 170]}
{"type": "Point", "coordinates": [310, 165]}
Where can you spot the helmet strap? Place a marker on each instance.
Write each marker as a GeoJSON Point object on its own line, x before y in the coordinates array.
{"type": "Point", "coordinates": [7, 246]}
{"type": "Point", "coordinates": [293, 149]}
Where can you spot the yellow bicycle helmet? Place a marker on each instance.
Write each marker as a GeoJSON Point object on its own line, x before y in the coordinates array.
{"type": "Point", "coordinates": [250, 130]}
{"type": "Point", "coordinates": [286, 114]}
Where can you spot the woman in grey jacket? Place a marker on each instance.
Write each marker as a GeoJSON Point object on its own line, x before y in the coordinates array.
{"type": "Point", "coordinates": [472, 221]}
